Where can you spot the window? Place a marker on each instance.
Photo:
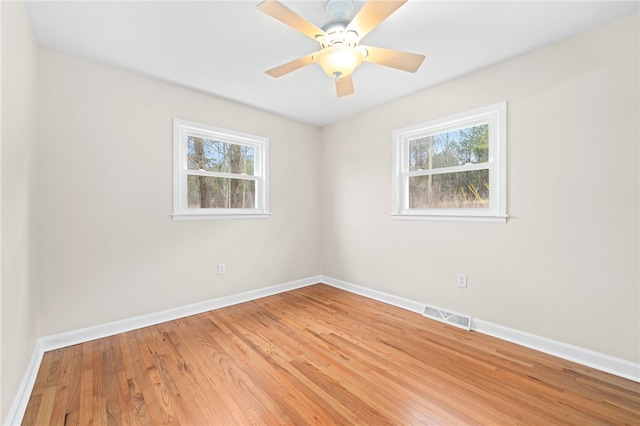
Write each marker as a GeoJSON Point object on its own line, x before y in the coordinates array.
{"type": "Point", "coordinates": [218, 173]}
{"type": "Point", "coordinates": [452, 168]}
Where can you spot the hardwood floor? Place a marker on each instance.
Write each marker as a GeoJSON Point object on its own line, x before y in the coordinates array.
{"type": "Point", "coordinates": [319, 355]}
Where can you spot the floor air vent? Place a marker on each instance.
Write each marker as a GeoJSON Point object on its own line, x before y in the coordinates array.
{"type": "Point", "coordinates": [457, 320]}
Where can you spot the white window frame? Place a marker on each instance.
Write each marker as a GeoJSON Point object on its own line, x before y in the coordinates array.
{"type": "Point", "coordinates": [182, 129]}
{"type": "Point", "coordinates": [496, 117]}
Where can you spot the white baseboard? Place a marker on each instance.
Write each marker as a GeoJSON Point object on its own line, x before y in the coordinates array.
{"type": "Point", "coordinates": [19, 406]}
{"type": "Point", "coordinates": [109, 329]}
{"type": "Point", "coordinates": [616, 366]}
{"type": "Point", "coordinates": [389, 299]}
{"type": "Point", "coordinates": [83, 335]}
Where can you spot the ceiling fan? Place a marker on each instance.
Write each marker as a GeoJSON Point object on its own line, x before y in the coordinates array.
{"type": "Point", "coordinates": [340, 49]}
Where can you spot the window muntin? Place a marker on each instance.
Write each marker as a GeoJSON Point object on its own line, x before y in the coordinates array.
{"type": "Point", "coordinates": [219, 173]}
{"type": "Point", "coordinates": [452, 168]}
{"type": "Point", "coordinates": [432, 182]}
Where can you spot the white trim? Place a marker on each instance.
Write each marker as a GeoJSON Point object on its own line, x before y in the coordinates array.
{"type": "Point", "coordinates": [75, 337]}
{"type": "Point", "coordinates": [209, 216]}
{"type": "Point", "coordinates": [452, 218]}
{"type": "Point", "coordinates": [387, 298]}
{"type": "Point", "coordinates": [495, 116]}
{"type": "Point", "coordinates": [606, 363]}
{"type": "Point", "coordinates": [19, 406]}
{"type": "Point", "coordinates": [181, 130]}
{"type": "Point", "coordinates": [616, 366]}
{"type": "Point", "coordinates": [451, 169]}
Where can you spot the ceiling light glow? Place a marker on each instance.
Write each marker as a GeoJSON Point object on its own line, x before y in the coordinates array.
{"type": "Point", "coordinates": [339, 61]}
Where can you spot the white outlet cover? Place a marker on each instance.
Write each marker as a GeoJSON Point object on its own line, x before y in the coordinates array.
{"type": "Point", "coordinates": [462, 280]}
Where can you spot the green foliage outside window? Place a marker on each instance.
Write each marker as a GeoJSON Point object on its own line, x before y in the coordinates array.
{"type": "Point", "coordinates": [220, 192]}
{"type": "Point", "coordinates": [462, 189]}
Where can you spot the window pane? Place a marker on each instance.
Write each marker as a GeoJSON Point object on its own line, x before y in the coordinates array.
{"type": "Point", "coordinates": [217, 192]}
{"type": "Point", "coordinates": [466, 190]}
{"type": "Point", "coordinates": [216, 156]}
{"type": "Point", "coordinates": [455, 148]}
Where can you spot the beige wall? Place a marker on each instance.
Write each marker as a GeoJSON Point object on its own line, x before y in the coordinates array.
{"type": "Point", "coordinates": [18, 194]}
{"type": "Point", "coordinates": [565, 266]}
{"type": "Point", "coordinates": [109, 247]}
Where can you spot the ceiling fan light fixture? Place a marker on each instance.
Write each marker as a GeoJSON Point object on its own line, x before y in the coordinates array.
{"type": "Point", "coordinates": [340, 50]}
{"type": "Point", "coordinates": [339, 61]}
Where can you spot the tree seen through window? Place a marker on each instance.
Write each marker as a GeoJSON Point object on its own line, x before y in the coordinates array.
{"type": "Point", "coordinates": [444, 188]}
{"type": "Point", "coordinates": [230, 191]}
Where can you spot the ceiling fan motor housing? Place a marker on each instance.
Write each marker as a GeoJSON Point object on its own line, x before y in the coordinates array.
{"type": "Point", "coordinates": [336, 34]}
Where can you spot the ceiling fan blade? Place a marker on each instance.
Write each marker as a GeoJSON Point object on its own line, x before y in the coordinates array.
{"type": "Point", "coordinates": [278, 11]}
{"type": "Point", "coordinates": [344, 86]}
{"type": "Point", "coordinates": [290, 66]}
{"type": "Point", "coordinates": [371, 14]}
{"type": "Point", "coordinates": [392, 58]}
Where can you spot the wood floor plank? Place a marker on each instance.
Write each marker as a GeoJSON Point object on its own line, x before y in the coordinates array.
{"type": "Point", "coordinates": [292, 379]}
{"type": "Point", "coordinates": [58, 412]}
{"type": "Point", "coordinates": [319, 355]}
{"type": "Point", "coordinates": [141, 391]}
{"type": "Point", "coordinates": [193, 348]}
{"type": "Point", "coordinates": [46, 406]}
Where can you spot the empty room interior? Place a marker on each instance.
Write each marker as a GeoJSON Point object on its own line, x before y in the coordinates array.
{"type": "Point", "coordinates": [312, 212]}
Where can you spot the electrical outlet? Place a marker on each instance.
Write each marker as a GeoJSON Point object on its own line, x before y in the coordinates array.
{"type": "Point", "coordinates": [221, 268]}
{"type": "Point", "coordinates": [462, 280]}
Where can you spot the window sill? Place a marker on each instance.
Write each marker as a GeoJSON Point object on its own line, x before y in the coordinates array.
{"type": "Point", "coordinates": [451, 218]}
{"type": "Point", "coordinates": [218, 216]}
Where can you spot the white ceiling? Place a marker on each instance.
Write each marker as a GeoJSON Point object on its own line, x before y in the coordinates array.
{"type": "Point", "coordinates": [224, 47]}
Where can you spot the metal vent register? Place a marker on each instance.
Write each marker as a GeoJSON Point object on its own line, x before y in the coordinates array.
{"type": "Point", "coordinates": [457, 320]}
